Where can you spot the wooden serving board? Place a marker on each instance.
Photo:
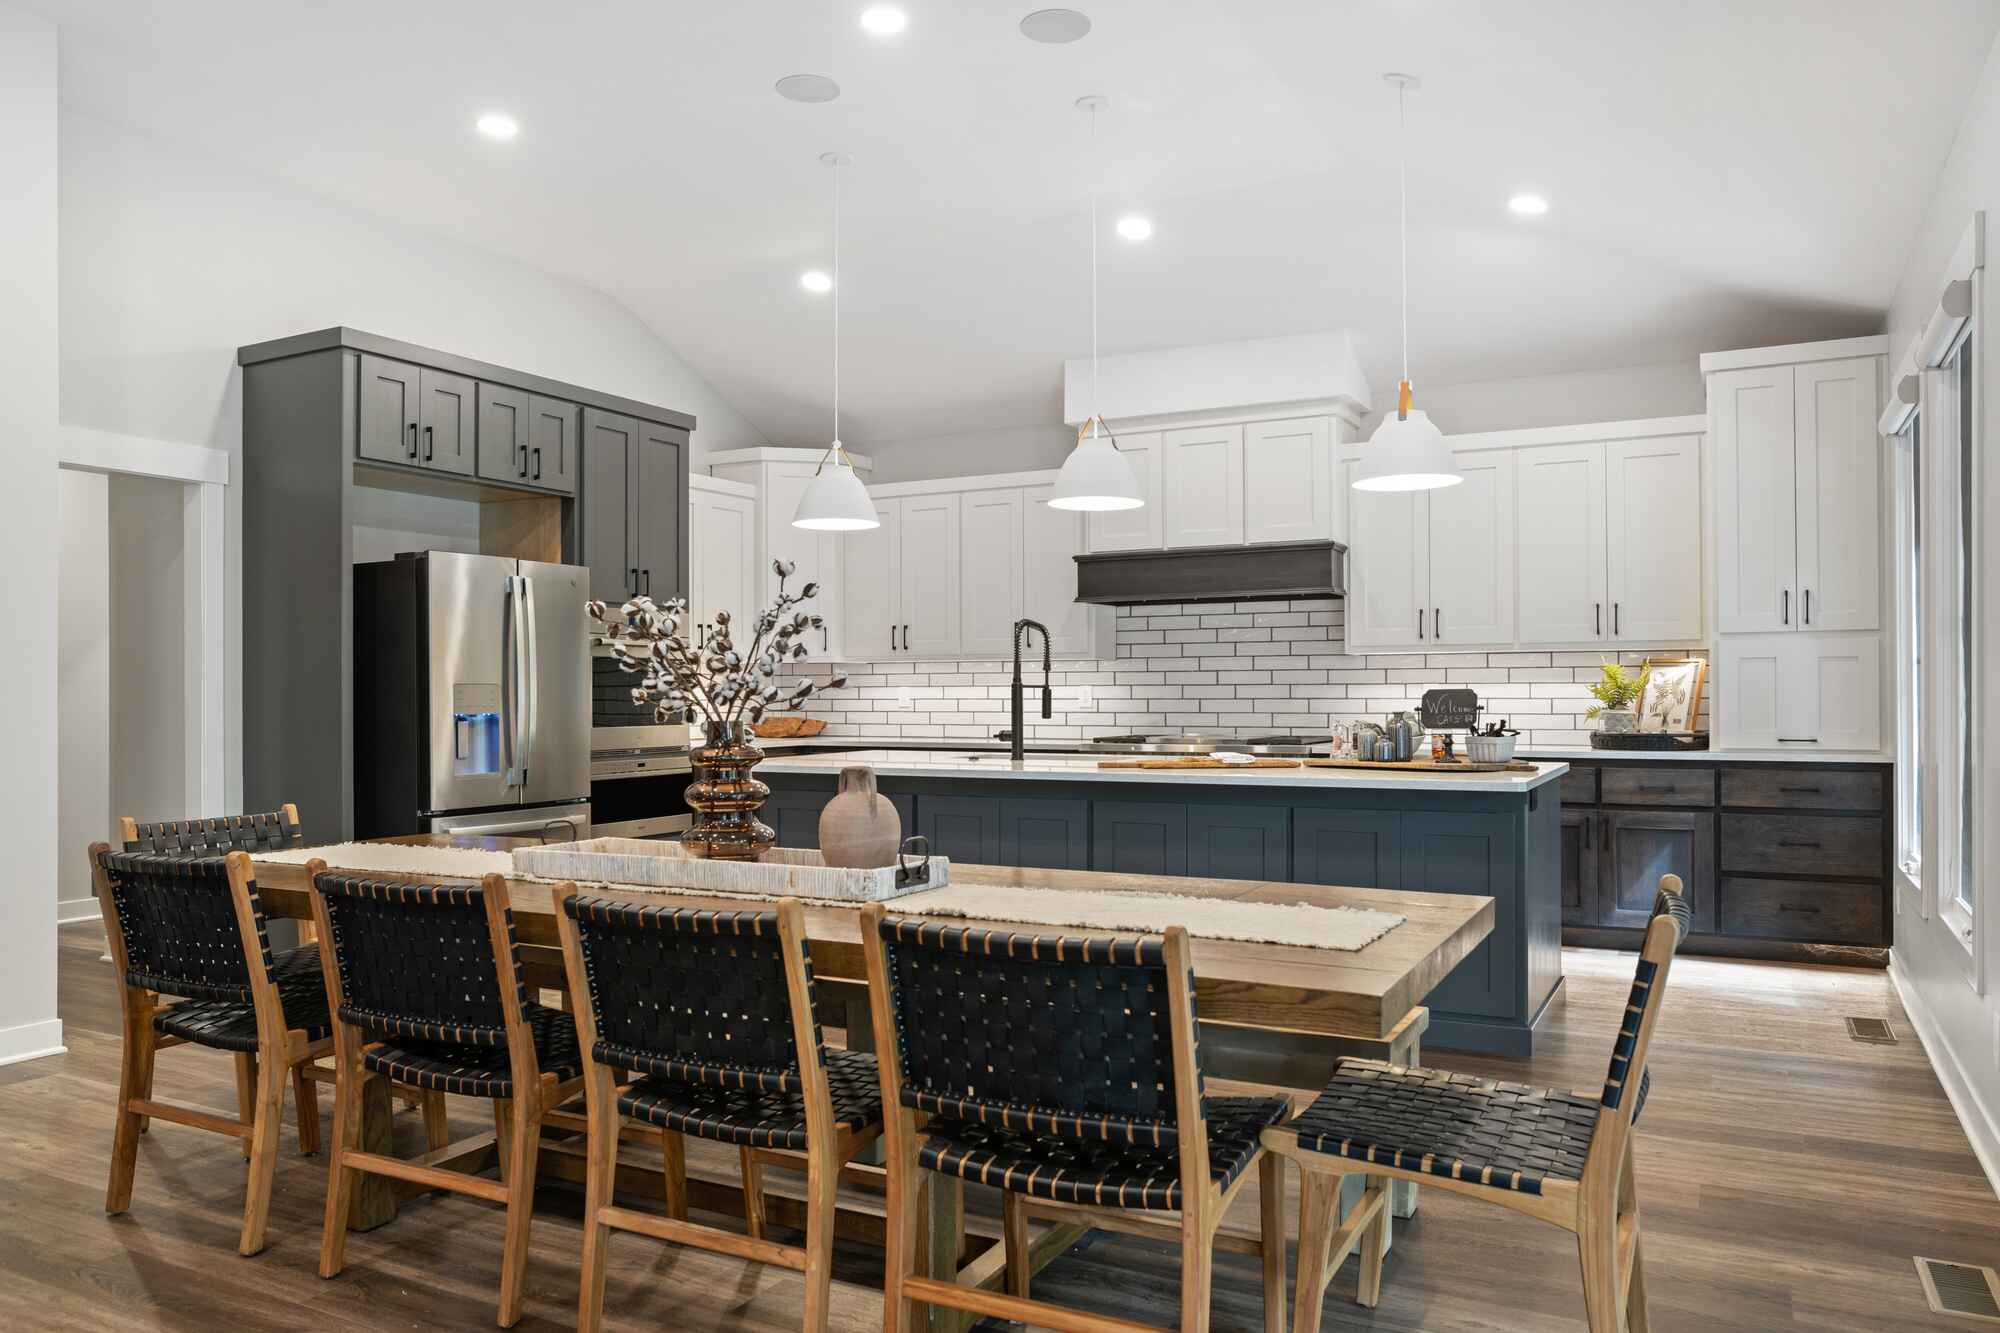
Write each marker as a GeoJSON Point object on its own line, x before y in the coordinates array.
{"type": "Point", "coordinates": [1194, 761]}
{"type": "Point", "coordinates": [1422, 765]}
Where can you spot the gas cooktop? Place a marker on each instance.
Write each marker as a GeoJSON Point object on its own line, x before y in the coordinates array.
{"type": "Point", "coordinates": [1206, 742]}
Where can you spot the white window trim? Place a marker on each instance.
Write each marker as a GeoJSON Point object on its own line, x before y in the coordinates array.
{"type": "Point", "coordinates": [1908, 836]}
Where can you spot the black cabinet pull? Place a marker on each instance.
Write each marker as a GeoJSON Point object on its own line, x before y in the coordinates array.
{"type": "Point", "coordinates": [1799, 791]}
{"type": "Point", "coordinates": [1786, 615]}
{"type": "Point", "coordinates": [430, 444]}
{"type": "Point", "coordinates": [1808, 606]}
{"type": "Point", "coordinates": [520, 460]}
{"type": "Point", "coordinates": [413, 439]}
{"type": "Point", "coordinates": [538, 466]}
{"type": "Point", "coordinates": [632, 581]}
{"type": "Point", "coordinates": [647, 575]}
{"type": "Point", "coordinates": [1597, 617]}
{"type": "Point", "coordinates": [1615, 609]}
{"type": "Point", "coordinates": [1420, 622]}
{"type": "Point", "coordinates": [1801, 908]}
{"type": "Point", "coordinates": [1798, 740]}
{"type": "Point", "coordinates": [892, 638]}
{"type": "Point", "coordinates": [1586, 833]}
{"type": "Point", "coordinates": [1658, 786]}
{"type": "Point", "coordinates": [1437, 622]}
{"type": "Point", "coordinates": [1802, 846]}
{"type": "Point", "coordinates": [906, 638]}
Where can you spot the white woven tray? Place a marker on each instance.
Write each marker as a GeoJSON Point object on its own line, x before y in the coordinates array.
{"type": "Point", "coordinates": [779, 873]}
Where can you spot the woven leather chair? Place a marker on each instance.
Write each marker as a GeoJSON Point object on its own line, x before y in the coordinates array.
{"type": "Point", "coordinates": [1064, 1071]}
{"type": "Point", "coordinates": [1562, 1157]}
{"type": "Point", "coordinates": [425, 983]}
{"type": "Point", "coordinates": [191, 927]}
{"type": "Point", "coordinates": [713, 1014]}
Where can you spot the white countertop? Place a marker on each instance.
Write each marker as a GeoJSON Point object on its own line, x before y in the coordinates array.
{"type": "Point", "coordinates": [1083, 768]}
{"type": "Point", "coordinates": [1560, 753]}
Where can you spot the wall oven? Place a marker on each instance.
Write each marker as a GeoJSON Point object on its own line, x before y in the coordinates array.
{"type": "Point", "coordinates": [639, 768]}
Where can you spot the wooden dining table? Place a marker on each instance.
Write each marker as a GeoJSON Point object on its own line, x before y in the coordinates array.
{"type": "Point", "coordinates": [1334, 1002]}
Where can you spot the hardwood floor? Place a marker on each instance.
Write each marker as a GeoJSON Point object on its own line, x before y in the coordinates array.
{"type": "Point", "coordinates": [1786, 1176]}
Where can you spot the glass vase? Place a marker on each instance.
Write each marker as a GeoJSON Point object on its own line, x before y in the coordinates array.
{"type": "Point", "coordinates": [725, 798]}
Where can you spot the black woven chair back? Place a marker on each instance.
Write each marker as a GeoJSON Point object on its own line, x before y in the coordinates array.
{"type": "Point", "coordinates": [179, 925]}
{"type": "Point", "coordinates": [416, 960]}
{"type": "Point", "coordinates": [218, 835]}
{"type": "Point", "coordinates": [1643, 1007]}
{"type": "Point", "coordinates": [692, 995]}
{"type": "Point", "coordinates": [1059, 1035]}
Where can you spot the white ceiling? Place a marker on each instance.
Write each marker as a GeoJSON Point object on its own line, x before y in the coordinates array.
{"type": "Point", "coordinates": [1722, 173]}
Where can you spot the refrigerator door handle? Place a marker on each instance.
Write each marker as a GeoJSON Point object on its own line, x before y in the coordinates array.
{"type": "Point", "coordinates": [534, 675]}
{"type": "Point", "coordinates": [512, 695]}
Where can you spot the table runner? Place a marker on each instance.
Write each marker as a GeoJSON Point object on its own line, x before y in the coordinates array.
{"type": "Point", "coordinates": [1341, 928]}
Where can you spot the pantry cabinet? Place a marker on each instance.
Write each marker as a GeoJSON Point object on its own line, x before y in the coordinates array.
{"type": "Point", "coordinates": [1800, 691]}
{"type": "Point", "coordinates": [1797, 496]}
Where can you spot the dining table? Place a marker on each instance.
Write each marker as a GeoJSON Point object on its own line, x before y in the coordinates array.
{"type": "Point", "coordinates": [1250, 995]}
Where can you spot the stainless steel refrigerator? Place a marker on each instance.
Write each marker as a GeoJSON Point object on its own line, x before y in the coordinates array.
{"type": "Point", "coordinates": [471, 696]}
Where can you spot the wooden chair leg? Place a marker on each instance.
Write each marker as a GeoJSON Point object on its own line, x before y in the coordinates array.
{"type": "Point", "coordinates": [1271, 1211]}
{"type": "Point", "coordinates": [674, 1180]}
{"type": "Point", "coordinates": [524, 1143]}
{"type": "Point", "coordinates": [246, 1093]}
{"type": "Point", "coordinates": [340, 1178]}
{"type": "Point", "coordinates": [753, 1194]}
{"type": "Point", "coordinates": [268, 1118]}
{"type": "Point", "coordinates": [1597, 1249]}
{"type": "Point", "coordinates": [503, 1133]}
{"type": "Point", "coordinates": [1319, 1200]}
{"type": "Point", "coordinates": [1014, 1226]}
{"type": "Point", "coordinates": [906, 1205]}
{"type": "Point", "coordinates": [1635, 1291]}
{"type": "Point", "coordinates": [1633, 1297]}
{"type": "Point", "coordinates": [822, 1194]}
{"type": "Point", "coordinates": [600, 1177]}
{"type": "Point", "coordinates": [1375, 1241]}
{"type": "Point", "coordinates": [1197, 1262]}
{"type": "Point", "coordinates": [437, 1130]}
{"type": "Point", "coordinates": [305, 1101]}
{"type": "Point", "coordinates": [150, 1042]}
{"type": "Point", "coordinates": [134, 1080]}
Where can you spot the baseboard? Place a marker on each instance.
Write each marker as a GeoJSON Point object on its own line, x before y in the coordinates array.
{"type": "Point", "coordinates": [1978, 1123]}
{"type": "Point", "coordinates": [31, 1041]}
{"type": "Point", "coordinates": [76, 911]}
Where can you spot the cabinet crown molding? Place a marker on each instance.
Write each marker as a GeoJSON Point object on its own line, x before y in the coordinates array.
{"type": "Point", "coordinates": [1792, 354]}
{"type": "Point", "coordinates": [768, 454]}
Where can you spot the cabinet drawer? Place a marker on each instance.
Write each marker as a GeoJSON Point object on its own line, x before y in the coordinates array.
{"type": "Point", "coordinates": [1802, 788]}
{"type": "Point", "coordinates": [1657, 784]}
{"type": "Point", "coordinates": [1579, 786]}
{"type": "Point", "coordinates": [1788, 909]}
{"type": "Point", "coordinates": [1802, 845]}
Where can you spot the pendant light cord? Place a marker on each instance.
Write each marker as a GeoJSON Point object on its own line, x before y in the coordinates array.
{"type": "Point", "coordinates": [836, 307]}
{"type": "Point", "coordinates": [1403, 196]}
{"type": "Point", "coordinates": [1095, 419]}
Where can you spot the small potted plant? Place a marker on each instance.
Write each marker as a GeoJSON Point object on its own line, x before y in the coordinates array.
{"type": "Point", "coordinates": [725, 688]}
{"type": "Point", "coordinates": [1616, 690]}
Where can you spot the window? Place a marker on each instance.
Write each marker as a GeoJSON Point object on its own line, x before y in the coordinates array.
{"type": "Point", "coordinates": [1963, 880]}
{"type": "Point", "coordinates": [1910, 651]}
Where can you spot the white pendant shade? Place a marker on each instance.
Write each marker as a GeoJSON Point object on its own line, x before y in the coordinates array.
{"type": "Point", "coordinates": [1096, 476]}
{"type": "Point", "coordinates": [1406, 454]}
{"type": "Point", "coordinates": [835, 500]}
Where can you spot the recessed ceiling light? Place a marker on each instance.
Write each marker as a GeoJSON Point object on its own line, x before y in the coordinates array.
{"type": "Point", "coordinates": [1528, 205]}
{"type": "Point", "coordinates": [884, 20]}
{"type": "Point", "coordinates": [807, 88]}
{"type": "Point", "coordinates": [1135, 228]}
{"type": "Point", "coordinates": [498, 125]}
{"type": "Point", "coordinates": [815, 281]}
{"type": "Point", "coordinates": [1055, 27]}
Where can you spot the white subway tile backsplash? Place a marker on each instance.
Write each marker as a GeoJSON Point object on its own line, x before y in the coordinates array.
{"type": "Point", "coordinates": [1254, 665]}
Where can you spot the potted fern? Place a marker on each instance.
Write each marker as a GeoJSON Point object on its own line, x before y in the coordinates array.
{"type": "Point", "coordinates": [1616, 690]}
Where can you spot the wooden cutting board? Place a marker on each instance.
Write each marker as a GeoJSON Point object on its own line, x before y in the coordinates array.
{"type": "Point", "coordinates": [1194, 761]}
{"type": "Point", "coordinates": [1422, 766]}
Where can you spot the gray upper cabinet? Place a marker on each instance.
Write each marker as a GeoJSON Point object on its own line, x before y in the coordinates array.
{"type": "Point", "coordinates": [660, 516]}
{"type": "Point", "coordinates": [447, 420]}
{"type": "Point", "coordinates": [610, 451]}
{"type": "Point", "coordinates": [503, 433]}
{"type": "Point", "coordinates": [555, 430]}
{"type": "Point", "coordinates": [388, 426]}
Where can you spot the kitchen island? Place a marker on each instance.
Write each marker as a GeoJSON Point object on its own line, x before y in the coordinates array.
{"type": "Point", "coordinates": [1495, 834]}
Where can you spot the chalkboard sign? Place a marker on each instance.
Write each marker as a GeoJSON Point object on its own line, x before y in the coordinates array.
{"type": "Point", "coordinates": [1449, 710]}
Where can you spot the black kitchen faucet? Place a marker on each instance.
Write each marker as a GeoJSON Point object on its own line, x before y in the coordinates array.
{"type": "Point", "coordinates": [1016, 736]}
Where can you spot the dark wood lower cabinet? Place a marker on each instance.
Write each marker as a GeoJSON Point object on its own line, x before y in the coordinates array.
{"type": "Point", "coordinates": [1639, 846]}
{"type": "Point", "coordinates": [1579, 867]}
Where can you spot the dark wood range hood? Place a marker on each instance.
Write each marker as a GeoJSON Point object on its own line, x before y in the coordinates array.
{"type": "Point", "coordinates": [1277, 571]}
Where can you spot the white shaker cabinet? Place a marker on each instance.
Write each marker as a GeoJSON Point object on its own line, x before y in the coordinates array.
{"type": "Point", "coordinates": [722, 548]}
{"type": "Point", "coordinates": [1201, 485]}
{"type": "Point", "coordinates": [1751, 414]}
{"type": "Point", "coordinates": [990, 571]}
{"type": "Point", "coordinates": [1559, 492]}
{"type": "Point", "coordinates": [1051, 540]}
{"type": "Point", "coordinates": [1388, 567]}
{"type": "Point", "coordinates": [872, 591]}
{"type": "Point", "coordinates": [1652, 504]}
{"type": "Point", "coordinates": [1138, 529]}
{"type": "Point", "coordinates": [1471, 555]}
{"type": "Point", "coordinates": [928, 575]}
{"type": "Point", "coordinates": [1288, 471]}
{"type": "Point", "coordinates": [1800, 691]}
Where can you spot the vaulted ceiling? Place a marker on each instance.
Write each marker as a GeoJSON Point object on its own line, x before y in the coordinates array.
{"type": "Point", "coordinates": [1720, 173]}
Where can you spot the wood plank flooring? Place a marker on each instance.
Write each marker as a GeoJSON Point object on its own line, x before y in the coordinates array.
{"type": "Point", "coordinates": [1786, 1176]}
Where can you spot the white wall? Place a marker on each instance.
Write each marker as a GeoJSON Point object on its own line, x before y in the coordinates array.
{"type": "Point", "coordinates": [149, 617]}
{"type": "Point", "coordinates": [970, 453]}
{"type": "Point", "coordinates": [1962, 1028]}
{"type": "Point", "coordinates": [84, 813]}
{"type": "Point", "coordinates": [170, 262]}
{"type": "Point", "coordinates": [28, 541]}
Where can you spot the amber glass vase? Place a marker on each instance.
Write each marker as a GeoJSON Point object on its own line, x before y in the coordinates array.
{"type": "Point", "coordinates": [725, 798]}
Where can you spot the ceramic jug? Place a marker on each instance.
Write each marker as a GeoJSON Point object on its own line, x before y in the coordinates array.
{"type": "Point", "coordinates": [859, 828]}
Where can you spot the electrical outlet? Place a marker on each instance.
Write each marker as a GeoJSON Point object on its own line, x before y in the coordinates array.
{"type": "Point", "coordinates": [1083, 696]}
{"type": "Point", "coordinates": [903, 699]}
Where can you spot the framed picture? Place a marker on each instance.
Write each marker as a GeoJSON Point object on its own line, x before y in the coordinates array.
{"type": "Point", "coordinates": [1671, 701]}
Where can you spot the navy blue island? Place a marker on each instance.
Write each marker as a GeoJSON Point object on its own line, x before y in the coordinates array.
{"type": "Point", "coordinates": [1495, 834]}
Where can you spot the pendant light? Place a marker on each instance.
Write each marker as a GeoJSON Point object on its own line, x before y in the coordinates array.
{"type": "Point", "coordinates": [1406, 452]}
{"type": "Point", "coordinates": [835, 500]}
{"type": "Point", "coordinates": [1095, 475]}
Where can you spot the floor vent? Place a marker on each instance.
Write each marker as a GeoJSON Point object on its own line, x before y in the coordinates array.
{"type": "Point", "coordinates": [1960, 1289]}
{"type": "Point", "coordinates": [1874, 1031]}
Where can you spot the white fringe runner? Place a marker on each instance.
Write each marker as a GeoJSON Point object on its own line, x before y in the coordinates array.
{"type": "Point", "coordinates": [1341, 928]}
